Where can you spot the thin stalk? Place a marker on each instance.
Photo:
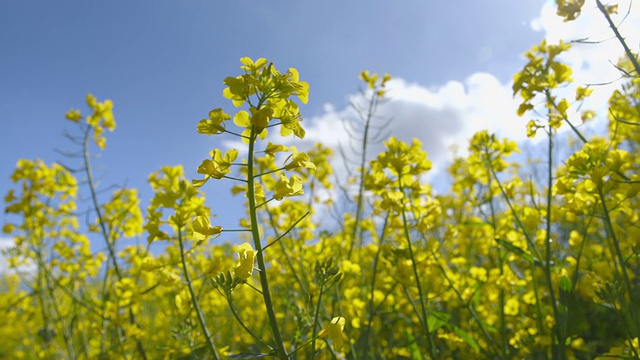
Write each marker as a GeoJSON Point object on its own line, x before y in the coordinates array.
{"type": "Point", "coordinates": [613, 27]}
{"type": "Point", "coordinates": [473, 313]}
{"type": "Point", "coordinates": [105, 299]}
{"type": "Point", "coordinates": [244, 326]}
{"type": "Point", "coordinates": [234, 178]}
{"type": "Point", "coordinates": [423, 322]}
{"type": "Point", "coordinates": [622, 261]}
{"type": "Point", "coordinates": [265, 202]}
{"type": "Point", "coordinates": [338, 302]}
{"type": "Point", "coordinates": [574, 277]}
{"type": "Point", "coordinates": [56, 308]}
{"type": "Point", "coordinates": [298, 348]}
{"type": "Point", "coordinates": [530, 242]}
{"type": "Point", "coordinates": [103, 228]}
{"type": "Point", "coordinates": [264, 282]}
{"type": "Point", "coordinates": [48, 303]}
{"type": "Point", "coordinates": [39, 284]}
{"type": "Point", "coordinates": [547, 247]}
{"type": "Point", "coordinates": [43, 307]}
{"type": "Point", "coordinates": [503, 317]}
{"type": "Point", "coordinates": [539, 318]}
{"type": "Point", "coordinates": [194, 299]}
{"type": "Point", "coordinates": [514, 213]}
{"type": "Point", "coordinates": [363, 159]}
{"type": "Point", "coordinates": [269, 172]}
{"type": "Point", "coordinates": [367, 331]}
{"type": "Point", "coordinates": [314, 333]}
{"type": "Point", "coordinates": [550, 100]}
{"type": "Point", "coordinates": [280, 237]}
{"type": "Point", "coordinates": [423, 307]}
{"type": "Point", "coordinates": [284, 250]}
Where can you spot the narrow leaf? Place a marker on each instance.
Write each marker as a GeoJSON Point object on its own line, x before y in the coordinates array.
{"type": "Point", "coordinates": [516, 250]}
{"type": "Point", "coordinates": [437, 320]}
{"type": "Point", "coordinates": [467, 338]}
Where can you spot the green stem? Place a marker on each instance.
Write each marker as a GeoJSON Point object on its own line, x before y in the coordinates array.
{"type": "Point", "coordinates": [235, 314]}
{"type": "Point", "coordinates": [265, 202]}
{"type": "Point", "coordinates": [264, 282]}
{"type": "Point", "coordinates": [503, 318]}
{"type": "Point", "coordinates": [314, 333]}
{"type": "Point", "coordinates": [103, 227]}
{"type": "Point", "coordinates": [298, 348]}
{"type": "Point", "coordinates": [623, 265]}
{"type": "Point", "coordinates": [530, 242]}
{"type": "Point", "coordinates": [364, 338]}
{"type": "Point", "coordinates": [234, 178]}
{"type": "Point", "coordinates": [194, 299]}
{"type": "Point", "coordinates": [423, 308]}
{"type": "Point", "coordinates": [55, 306]}
{"type": "Point", "coordinates": [613, 27]}
{"type": "Point", "coordinates": [279, 237]}
{"type": "Point", "coordinates": [284, 250]}
{"type": "Point", "coordinates": [547, 246]}
{"type": "Point", "coordinates": [269, 172]}
{"type": "Point", "coordinates": [474, 315]}
{"type": "Point", "coordinates": [360, 205]}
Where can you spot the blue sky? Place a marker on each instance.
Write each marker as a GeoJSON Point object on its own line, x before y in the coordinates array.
{"type": "Point", "coordinates": [163, 62]}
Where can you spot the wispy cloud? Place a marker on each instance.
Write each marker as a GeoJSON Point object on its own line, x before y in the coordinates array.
{"type": "Point", "coordinates": [441, 117]}
{"type": "Point", "coordinates": [446, 116]}
{"type": "Point", "coordinates": [595, 50]}
{"type": "Point", "coordinates": [5, 243]}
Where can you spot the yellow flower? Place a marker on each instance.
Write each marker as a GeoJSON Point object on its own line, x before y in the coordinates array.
{"type": "Point", "coordinates": [218, 167]}
{"type": "Point", "coordinates": [74, 115]}
{"type": "Point", "coordinates": [299, 160]}
{"type": "Point", "coordinates": [215, 124]}
{"type": "Point", "coordinates": [246, 256]}
{"type": "Point", "coordinates": [569, 9]}
{"type": "Point", "coordinates": [202, 228]}
{"type": "Point", "coordinates": [335, 331]}
{"type": "Point", "coordinates": [288, 187]}
{"type": "Point", "coordinates": [512, 307]}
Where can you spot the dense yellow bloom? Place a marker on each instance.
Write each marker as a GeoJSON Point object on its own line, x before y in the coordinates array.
{"type": "Point", "coordinates": [467, 272]}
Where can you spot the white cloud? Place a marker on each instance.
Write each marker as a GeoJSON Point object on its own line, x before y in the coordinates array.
{"type": "Point", "coordinates": [593, 63]}
{"type": "Point", "coordinates": [440, 117]}
{"type": "Point", "coordinates": [448, 115]}
{"type": "Point", "coordinates": [5, 243]}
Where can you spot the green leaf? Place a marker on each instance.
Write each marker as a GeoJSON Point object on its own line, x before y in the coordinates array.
{"type": "Point", "coordinates": [437, 319]}
{"type": "Point", "coordinates": [413, 348]}
{"type": "Point", "coordinates": [564, 317]}
{"type": "Point", "coordinates": [467, 338]}
{"type": "Point", "coordinates": [516, 250]}
{"type": "Point", "coordinates": [565, 284]}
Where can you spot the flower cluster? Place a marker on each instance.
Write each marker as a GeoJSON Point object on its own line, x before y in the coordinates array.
{"type": "Point", "coordinates": [511, 262]}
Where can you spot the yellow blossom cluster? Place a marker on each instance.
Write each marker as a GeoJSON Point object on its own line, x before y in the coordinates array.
{"type": "Point", "coordinates": [511, 262]}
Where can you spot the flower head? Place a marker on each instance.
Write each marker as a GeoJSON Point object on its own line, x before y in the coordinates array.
{"type": "Point", "coordinates": [335, 331]}
{"type": "Point", "coordinates": [246, 256]}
